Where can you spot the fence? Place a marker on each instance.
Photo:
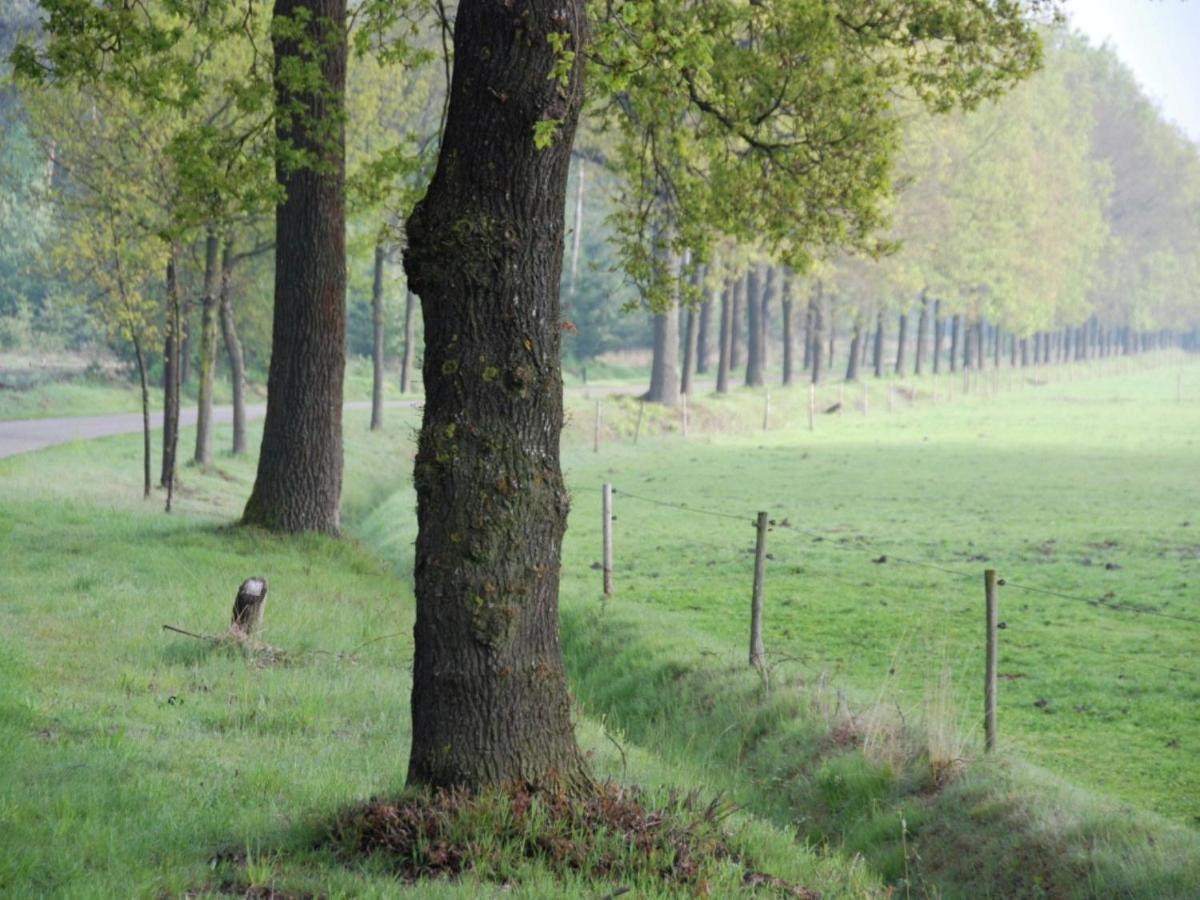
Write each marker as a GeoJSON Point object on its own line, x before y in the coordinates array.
{"type": "Point", "coordinates": [992, 584]}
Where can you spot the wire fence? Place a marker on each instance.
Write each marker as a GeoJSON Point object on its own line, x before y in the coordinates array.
{"type": "Point", "coordinates": [879, 553]}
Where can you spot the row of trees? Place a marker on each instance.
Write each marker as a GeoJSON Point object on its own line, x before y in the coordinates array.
{"type": "Point", "coordinates": [722, 125]}
{"type": "Point", "coordinates": [1065, 215]}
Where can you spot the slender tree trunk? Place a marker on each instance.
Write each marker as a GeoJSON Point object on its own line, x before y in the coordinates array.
{"type": "Point", "coordinates": [233, 349]}
{"type": "Point", "coordinates": [209, 315]}
{"type": "Point", "coordinates": [1024, 352]}
{"type": "Point", "coordinates": [980, 356]}
{"type": "Point", "coordinates": [576, 238]}
{"type": "Point", "coordinates": [808, 333]}
{"type": "Point", "coordinates": [703, 333]}
{"type": "Point", "coordinates": [299, 481]}
{"type": "Point", "coordinates": [955, 331]}
{"type": "Point", "coordinates": [171, 350]}
{"type": "Point", "coordinates": [922, 335]}
{"type": "Point", "coordinates": [789, 342]}
{"type": "Point", "coordinates": [901, 342]}
{"type": "Point", "coordinates": [664, 370]}
{"type": "Point", "coordinates": [769, 279]}
{"type": "Point", "coordinates": [689, 352]}
{"type": "Point", "coordinates": [185, 343]}
{"type": "Point", "coordinates": [877, 361]}
{"type": "Point", "coordinates": [754, 332]}
{"type": "Point", "coordinates": [855, 346]}
{"type": "Point", "coordinates": [735, 340]}
{"type": "Point", "coordinates": [377, 342]}
{"type": "Point", "coordinates": [725, 340]}
{"type": "Point", "coordinates": [406, 359]}
{"type": "Point", "coordinates": [939, 332]}
{"type": "Point", "coordinates": [171, 407]}
{"type": "Point", "coordinates": [489, 700]}
{"type": "Point", "coordinates": [817, 342]}
{"type": "Point", "coordinates": [145, 386]}
{"type": "Point", "coordinates": [829, 324]}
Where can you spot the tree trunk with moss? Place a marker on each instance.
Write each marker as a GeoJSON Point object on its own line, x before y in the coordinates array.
{"type": "Point", "coordinates": [299, 482]}
{"type": "Point", "coordinates": [485, 247]}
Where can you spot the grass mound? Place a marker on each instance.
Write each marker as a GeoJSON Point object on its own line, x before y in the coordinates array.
{"type": "Point", "coordinates": [615, 834]}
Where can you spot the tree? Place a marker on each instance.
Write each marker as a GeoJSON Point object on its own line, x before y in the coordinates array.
{"type": "Point", "coordinates": [299, 481]}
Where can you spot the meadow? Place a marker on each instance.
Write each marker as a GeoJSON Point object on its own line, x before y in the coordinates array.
{"type": "Point", "coordinates": [141, 762]}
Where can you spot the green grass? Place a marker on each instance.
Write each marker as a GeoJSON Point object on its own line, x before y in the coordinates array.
{"type": "Point", "coordinates": [144, 763]}
{"type": "Point", "coordinates": [147, 763]}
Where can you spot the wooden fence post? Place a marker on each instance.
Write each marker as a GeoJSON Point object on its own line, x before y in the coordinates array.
{"type": "Point", "coordinates": [989, 686]}
{"type": "Point", "coordinates": [757, 654]}
{"type": "Point", "coordinates": [608, 554]}
{"type": "Point", "coordinates": [596, 431]}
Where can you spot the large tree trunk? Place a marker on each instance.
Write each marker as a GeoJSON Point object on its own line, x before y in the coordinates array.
{"type": "Point", "coordinates": [922, 335]}
{"type": "Point", "coordinates": [377, 339]}
{"type": "Point", "coordinates": [901, 342]}
{"type": "Point", "coordinates": [489, 698]}
{"type": "Point", "coordinates": [299, 481]}
{"type": "Point", "coordinates": [664, 367]}
{"type": "Point", "coordinates": [725, 340]}
{"type": "Point", "coordinates": [233, 349]}
{"type": "Point", "coordinates": [406, 360]}
{"type": "Point", "coordinates": [754, 331]}
{"type": "Point", "coordinates": [203, 455]}
{"type": "Point", "coordinates": [789, 342]}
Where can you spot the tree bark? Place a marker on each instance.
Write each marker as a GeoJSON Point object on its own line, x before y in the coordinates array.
{"type": "Point", "coordinates": [789, 342]}
{"type": "Point", "coordinates": [407, 359]}
{"type": "Point", "coordinates": [901, 342]}
{"type": "Point", "coordinates": [955, 332]}
{"type": "Point", "coordinates": [877, 361]}
{"type": "Point", "coordinates": [233, 349]}
{"type": "Point", "coordinates": [689, 352]}
{"type": "Point", "coordinates": [299, 482]}
{"type": "Point", "coordinates": [664, 368]}
{"type": "Point", "coordinates": [855, 347]}
{"type": "Point", "coordinates": [817, 343]}
{"type": "Point", "coordinates": [209, 313]}
{"type": "Point", "coordinates": [754, 331]}
{"type": "Point", "coordinates": [735, 339]}
{"type": "Point", "coordinates": [922, 335]}
{"type": "Point", "coordinates": [702, 334]}
{"type": "Point", "coordinates": [377, 342]}
{"type": "Point", "coordinates": [489, 698]}
{"type": "Point", "coordinates": [725, 340]}
{"type": "Point", "coordinates": [171, 406]}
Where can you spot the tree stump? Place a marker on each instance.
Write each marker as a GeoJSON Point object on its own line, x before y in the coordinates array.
{"type": "Point", "coordinates": [248, 607]}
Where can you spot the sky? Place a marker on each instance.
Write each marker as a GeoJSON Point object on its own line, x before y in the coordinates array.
{"type": "Point", "coordinates": [1159, 40]}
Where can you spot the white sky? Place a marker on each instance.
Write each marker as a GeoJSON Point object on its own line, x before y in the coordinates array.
{"type": "Point", "coordinates": [1159, 40]}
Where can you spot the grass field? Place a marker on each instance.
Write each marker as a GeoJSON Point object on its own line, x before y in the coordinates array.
{"type": "Point", "coordinates": [144, 763]}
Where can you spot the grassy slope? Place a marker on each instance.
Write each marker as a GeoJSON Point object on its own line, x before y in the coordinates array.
{"type": "Point", "coordinates": [138, 762]}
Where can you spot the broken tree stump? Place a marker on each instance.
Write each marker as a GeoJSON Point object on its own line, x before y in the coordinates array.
{"type": "Point", "coordinates": [248, 607]}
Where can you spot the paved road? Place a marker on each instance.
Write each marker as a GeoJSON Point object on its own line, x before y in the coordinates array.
{"type": "Point", "coordinates": [24, 435]}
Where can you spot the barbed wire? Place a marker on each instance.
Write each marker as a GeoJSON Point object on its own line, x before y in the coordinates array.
{"type": "Point", "coordinates": [683, 507]}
